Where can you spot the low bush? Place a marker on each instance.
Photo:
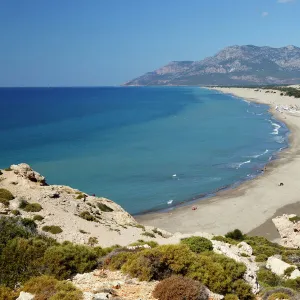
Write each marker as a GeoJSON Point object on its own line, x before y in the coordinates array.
{"type": "Point", "coordinates": [295, 219]}
{"type": "Point", "coordinates": [6, 194]}
{"type": "Point", "coordinates": [155, 230]}
{"type": "Point", "coordinates": [236, 234]}
{"type": "Point", "coordinates": [221, 238]}
{"type": "Point", "coordinates": [289, 271]}
{"type": "Point", "coordinates": [231, 297]}
{"type": "Point", "coordinates": [293, 284]}
{"type": "Point", "coordinates": [261, 258]}
{"type": "Point", "coordinates": [30, 207]}
{"type": "Point", "coordinates": [267, 278]}
{"type": "Point", "coordinates": [1, 172]}
{"type": "Point", "coordinates": [38, 218]}
{"type": "Point", "coordinates": [15, 212]}
{"type": "Point", "coordinates": [80, 196]}
{"type": "Point", "coordinates": [52, 229]}
{"type": "Point", "coordinates": [7, 293]}
{"type": "Point", "coordinates": [82, 231]}
{"type": "Point", "coordinates": [152, 244]}
{"type": "Point", "coordinates": [68, 259]}
{"type": "Point", "coordinates": [242, 290]}
{"type": "Point", "coordinates": [29, 224]}
{"type": "Point", "coordinates": [198, 244]}
{"type": "Point", "coordinates": [116, 262]}
{"type": "Point", "coordinates": [87, 216]}
{"type": "Point", "coordinates": [92, 241]}
{"type": "Point", "coordinates": [5, 202]}
{"type": "Point", "coordinates": [148, 234]}
{"type": "Point", "coordinates": [178, 288]}
{"type": "Point", "coordinates": [278, 296]}
{"type": "Point", "coordinates": [104, 207]}
{"type": "Point", "coordinates": [47, 287]}
{"type": "Point", "coordinates": [139, 226]}
{"type": "Point", "coordinates": [8, 169]}
{"type": "Point", "coordinates": [278, 293]}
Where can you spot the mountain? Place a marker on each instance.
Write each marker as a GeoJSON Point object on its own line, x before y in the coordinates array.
{"type": "Point", "coordinates": [234, 65]}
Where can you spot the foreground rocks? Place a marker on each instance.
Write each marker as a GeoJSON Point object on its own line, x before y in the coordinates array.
{"type": "Point", "coordinates": [289, 231]}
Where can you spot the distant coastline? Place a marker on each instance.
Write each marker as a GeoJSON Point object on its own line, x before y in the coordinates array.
{"type": "Point", "coordinates": [254, 202]}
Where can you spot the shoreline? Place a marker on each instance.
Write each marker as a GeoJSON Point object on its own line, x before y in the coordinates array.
{"type": "Point", "coordinates": [254, 202]}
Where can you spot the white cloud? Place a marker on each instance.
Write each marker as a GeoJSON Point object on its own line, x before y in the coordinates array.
{"type": "Point", "coordinates": [264, 14]}
{"type": "Point", "coordinates": [284, 1]}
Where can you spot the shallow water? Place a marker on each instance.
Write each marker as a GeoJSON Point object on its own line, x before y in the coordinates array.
{"type": "Point", "coordinates": [139, 146]}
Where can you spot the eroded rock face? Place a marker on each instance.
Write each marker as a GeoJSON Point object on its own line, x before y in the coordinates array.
{"type": "Point", "coordinates": [289, 231]}
{"type": "Point", "coordinates": [25, 171]}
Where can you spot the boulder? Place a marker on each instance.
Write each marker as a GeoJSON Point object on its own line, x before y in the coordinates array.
{"type": "Point", "coordinates": [25, 171]}
{"type": "Point", "coordinates": [25, 296]}
{"type": "Point", "coordinates": [277, 266]}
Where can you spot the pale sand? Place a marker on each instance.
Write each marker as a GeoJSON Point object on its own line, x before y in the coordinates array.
{"type": "Point", "coordinates": [253, 202]}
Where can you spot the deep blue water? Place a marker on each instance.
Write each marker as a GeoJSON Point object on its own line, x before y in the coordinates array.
{"type": "Point", "coordinates": [126, 143]}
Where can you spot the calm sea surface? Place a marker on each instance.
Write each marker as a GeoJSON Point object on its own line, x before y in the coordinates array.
{"type": "Point", "coordinates": [139, 146]}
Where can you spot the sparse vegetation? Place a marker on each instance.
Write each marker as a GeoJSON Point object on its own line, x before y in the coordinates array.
{"type": "Point", "coordinates": [30, 207]}
{"type": "Point", "coordinates": [289, 271]}
{"type": "Point", "coordinates": [155, 230]}
{"type": "Point", "coordinates": [261, 258]}
{"type": "Point", "coordinates": [52, 229]}
{"type": "Point", "coordinates": [148, 234]}
{"type": "Point", "coordinates": [8, 169]}
{"type": "Point", "coordinates": [87, 216]}
{"type": "Point", "coordinates": [104, 207]}
{"type": "Point", "coordinates": [225, 240]}
{"type": "Point", "coordinates": [235, 235]}
{"type": "Point", "coordinates": [92, 241]}
{"type": "Point", "coordinates": [5, 202]}
{"type": "Point", "coordinates": [139, 226]}
{"type": "Point", "coordinates": [198, 244]}
{"type": "Point", "coordinates": [80, 196]}
{"type": "Point", "coordinates": [15, 212]}
{"type": "Point", "coordinates": [38, 218]}
{"type": "Point", "coordinates": [6, 194]}
{"type": "Point", "coordinates": [82, 231]}
{"type": "Point", "coordinates": [178, 288]}
{"type": "Point", "coordinates": [295, 219]}
{"type": "Point", "coordinates": [152, 244]}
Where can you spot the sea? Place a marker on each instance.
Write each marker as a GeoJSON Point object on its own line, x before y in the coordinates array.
{"type": "Point", "coordinates": [146, 148]}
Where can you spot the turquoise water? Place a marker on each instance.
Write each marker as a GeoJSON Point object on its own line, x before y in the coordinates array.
{"type": "Point", "coordinates": [139, 146]}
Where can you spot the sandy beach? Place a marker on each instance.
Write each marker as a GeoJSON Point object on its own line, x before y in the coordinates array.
{"type": "Point", "coordinates": [251, 205]}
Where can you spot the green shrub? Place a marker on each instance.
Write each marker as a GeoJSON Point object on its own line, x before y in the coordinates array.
{"type": "Point", "coordinates": [87, 216]}
{"type": "Point", "coordinates": [155, 230]}
{"type": "Point", "coordinates": [293, 284]}
{"type": "Point", "coordinates": [38, 218]}
{"type": "Point", "coordinates": [104, 207]}
{"type": "Point", "coordinates": [92, 241]}
{"type": "Point", "coordinates": [236, 234]}
{"type": "Point", "coordinates": [152, 244]}
{"type": "Point", "coordinates": [1, 172]}
{"type": "Point", "coordinates": [5, 202]}
{"type": "Point", "coordinates": [30, 207]}
{"type": "Point", "coordinates": [261, 245]}
{"type": "Point", "coordinates": [47, 287]}
{"type": "Point", "coordinates": [6, 194]}
{"type": "Point", "coordinates": [278, 296]}
{"type": "Point", "coordinates": [261, 258]}
{"type": "Point", "coordinates": [15, 212]}
{"type": "Point", "coordinates": [28, 223]}
{"type": "Point", "coordinates": [178, 288]}
{"type": "Point", "coordinates": [198, 244]}
{"type": "Point", "coordinates": [231, 297]}
{"type": "Point", "coordinates": [267, 278]}
{"type": "Point", "coordinates": [21, 259]}
{"type": "Point", "coordinates": [116, 262]}
{"type": "Point", "coordinates": [289, 271]}
{"type": "Point", "coordinates": [148, 234]}
{"type": "Point", "coordinates": [295, 219]}
{"type": "Point", "coordinates": [82, 231]}
{"type": "Point", "coordinates": [68, 259]}
{"type": "Point", "coordinates": [221, 238]}
{"type": "Point", "coordinates": [80, 196]}
{"type": "Point", "coordinates": [52, 229]}
{"type": "Point", "coordinates": [7, 293]}
{"type": "Point", "coordinates": [139, 226]}
{"type": "Point", "coordinates": [8, 169]}
{"type": "Point", "coordinates": [242, 290]}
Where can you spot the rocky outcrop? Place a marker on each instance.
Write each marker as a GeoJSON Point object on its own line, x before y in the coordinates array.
{"type": "Point", "coordinates": [278, 267]}
{"type": "Point", "coordinates": [236, 253]}
{"type": "Point", "coordinates": [289, 231]}
{"type": "Point", "coordinates": [79, 215]}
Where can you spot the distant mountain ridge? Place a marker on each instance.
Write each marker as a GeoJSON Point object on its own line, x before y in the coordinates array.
{"type": "Point", "coordinates": [234, 65]}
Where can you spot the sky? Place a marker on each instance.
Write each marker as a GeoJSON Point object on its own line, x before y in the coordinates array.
{"type": "Point", "coordinates": [109, 42]}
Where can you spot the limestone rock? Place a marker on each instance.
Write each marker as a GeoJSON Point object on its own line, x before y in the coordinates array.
{"type": "Point", "coordinates": [25, 296]}
{"type": "Point", "coordinates": [245, 248]}
{"type": "Point", "coordinates": [288, 231]}
{"type": "Point", "coordinates": [277, 266]}
{"type": "Point", "coordinates": [234, 252]}
{"type": "Point", "coordinates": [25, 171]}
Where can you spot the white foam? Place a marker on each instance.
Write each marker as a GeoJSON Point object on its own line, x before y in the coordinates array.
{"type": "Point", "coordinates": [238, 165]}
{"type": "Point", "coordinates": [258, 155]}
{"type": "Point", "coordinates": [276, 127]}
{"type": "Point", "coordinates": [170, 202]}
